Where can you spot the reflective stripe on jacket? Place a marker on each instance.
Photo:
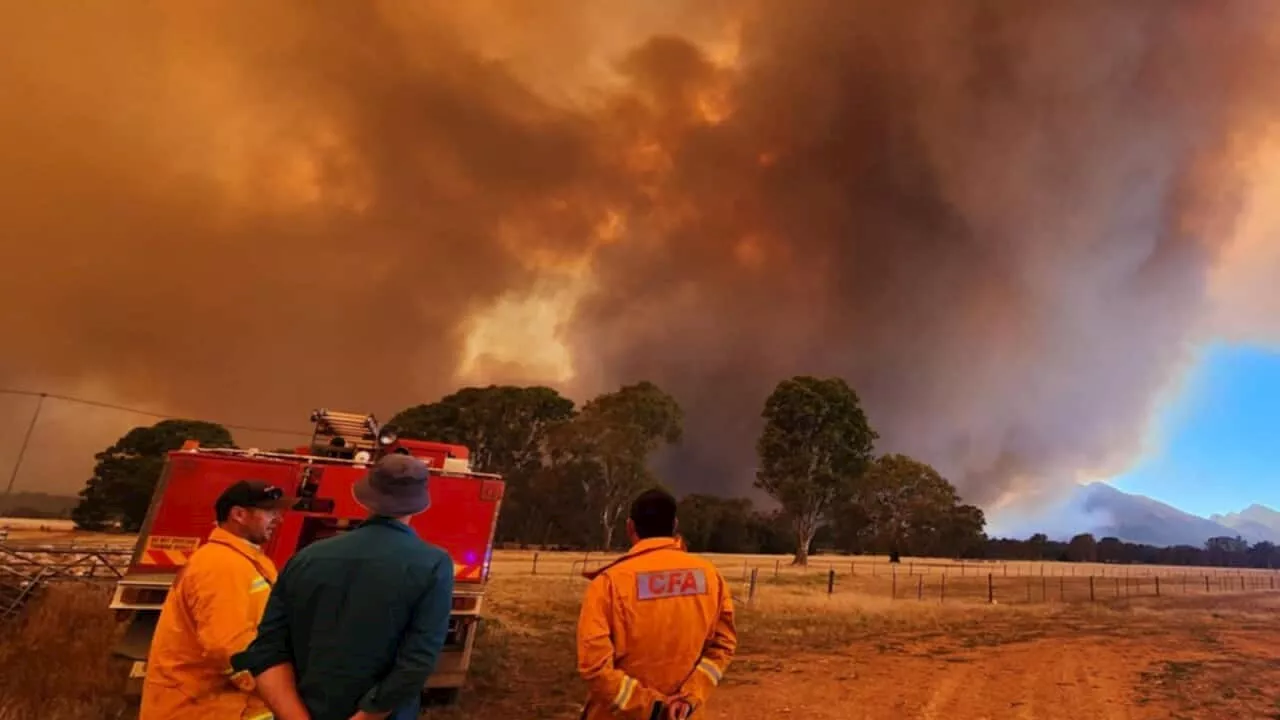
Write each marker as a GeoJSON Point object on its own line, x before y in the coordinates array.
{"type": "Point", "coordinates": [658, 622]}
{"type": "Point", "coordinates": [211, 613]}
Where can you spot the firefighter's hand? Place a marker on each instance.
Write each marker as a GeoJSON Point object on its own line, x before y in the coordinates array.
{"type": "Point", "coordinates": [678, 709]}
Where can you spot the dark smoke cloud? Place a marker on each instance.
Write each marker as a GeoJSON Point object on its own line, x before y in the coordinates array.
{"type": "Point", "coordinates": [995, 219]}
{"type": "Point", "coordinates": [250, 213]}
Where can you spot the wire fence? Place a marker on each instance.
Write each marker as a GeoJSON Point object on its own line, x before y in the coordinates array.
{"type": "Point", "coordinates": [25, 569]}
{"type": "Point", "coordinates": [991, 588]}
{"type": "Point", "coordinates": [926, 580]}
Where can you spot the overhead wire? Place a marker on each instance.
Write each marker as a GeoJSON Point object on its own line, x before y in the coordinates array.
{"type": "Point", "coordinates": [147, 413]}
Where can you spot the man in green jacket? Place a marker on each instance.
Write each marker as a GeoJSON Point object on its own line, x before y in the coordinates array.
{"type": "Point", "coordinates": [355, 623]}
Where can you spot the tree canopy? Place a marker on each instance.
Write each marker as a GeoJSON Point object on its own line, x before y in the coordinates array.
{"type": "Point", "coordinates": [908, 504]}
{"type": "Point", "coordinates": [126, 474]}
{"type": "Point", "coordinates": [506, 429]}
{"type": "Point", "coordinates": [504, 426]}
{"type": "Point", "coordinates": [564, 469]}
{"type": "Point", "coordinates": [606, 447]}
{"type": "Point", "coordinates": [815, 446]}
{"type": "Point", "coordinates": [714, 524]}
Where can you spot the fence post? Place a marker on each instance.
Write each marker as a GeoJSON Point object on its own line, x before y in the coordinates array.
{"type": "Point", "coordinates": [1157, 586]}
{"type": "Point", "coordinates": [942, 590]}
{"type": "Point", "coordinates": [920, 587]}
{"type": "Point", "coordinates": [1117, 587]}
{"type": "Point", "coordinates": [831, 581]}
{"type": "Point", "coordinates": [1044, 588]}
{"type": "Point", "coordinates": [751, 590]}
{"type": "Point", "coordinates": [777, 565]}
{"type": "Point", "coordinates": [1092, 596]}
{"type": "Point", "coordinates": [1242, 582]}
{"type": "Point", "coordinates": [535, 563]}
{"type": "Point", "coordinates": [1062, 588]}
{"type": "Point", "coordinates": [893, 589]}
{"type": "Point", "coordinates": [744, 570]}
{"type": "Point", "coordinates": [911, 569]}
{"type": "Point", "coordinates": [1206, 583]}
{"type": "Point", "coordinates": [1273, 582]}
{"type": "Point", "coordinates": [991, 588]}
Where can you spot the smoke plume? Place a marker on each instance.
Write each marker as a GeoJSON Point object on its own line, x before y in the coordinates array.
{"type": "Point", "coordinates": [1001, 222]}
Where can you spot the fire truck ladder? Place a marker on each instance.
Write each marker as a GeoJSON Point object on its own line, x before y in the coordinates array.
{"type": "Point", "coordinates": [341, 434]}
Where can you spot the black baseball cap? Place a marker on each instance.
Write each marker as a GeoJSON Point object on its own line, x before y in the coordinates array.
{"type": "Point", "coordinates": [251, 494]}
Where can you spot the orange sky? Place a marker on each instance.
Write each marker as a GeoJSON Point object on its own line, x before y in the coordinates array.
{"type": "Point", "coordinates": [1007, 226]}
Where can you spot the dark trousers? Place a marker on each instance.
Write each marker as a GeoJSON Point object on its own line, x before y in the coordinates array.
{"type": "Point", "coordinates": [408, 712]}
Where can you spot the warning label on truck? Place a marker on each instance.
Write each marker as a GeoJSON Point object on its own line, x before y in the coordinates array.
{"type": "Point", "coordinates": [168, 550]}
{"type": "Point", "coordinates": [172, 542]}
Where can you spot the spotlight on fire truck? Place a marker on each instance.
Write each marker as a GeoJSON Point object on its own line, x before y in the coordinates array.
{"type": "Point", "coordinates": [387, 435]}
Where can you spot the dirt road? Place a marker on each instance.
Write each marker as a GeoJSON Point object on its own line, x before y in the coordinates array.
{"type": "Point", "coordinates": [1205, 665]}
{"type": "Point", "coordinates": [1043, 679]}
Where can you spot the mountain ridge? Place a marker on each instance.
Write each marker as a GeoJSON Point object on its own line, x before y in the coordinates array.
{"type": "Point", "coordinates": [1106, 511]}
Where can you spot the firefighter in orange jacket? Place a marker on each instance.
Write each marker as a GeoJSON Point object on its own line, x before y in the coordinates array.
{"type": "Point", "coordinates": [656, 630]}
{"type": "Point", "coordinates": [212, 612]}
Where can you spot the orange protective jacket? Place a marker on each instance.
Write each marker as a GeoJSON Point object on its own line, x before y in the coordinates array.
{"type": "Point", "coordinates": [211, 613]}
{"type": "Point", "coordinates": [656, 623]}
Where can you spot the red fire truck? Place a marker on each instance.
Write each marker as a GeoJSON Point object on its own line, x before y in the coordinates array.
{"type": "Point", "coordinates": [462, 519]}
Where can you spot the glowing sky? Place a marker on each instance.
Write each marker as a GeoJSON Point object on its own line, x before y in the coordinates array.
{"type": "Point", "coordinates": [1011, 226]}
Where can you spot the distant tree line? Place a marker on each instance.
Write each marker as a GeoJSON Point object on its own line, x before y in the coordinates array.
{"type": "Point", "coordinates": [571, 472]}
{"type": "Point", "coordinates": [36, 505]}
{"type": "Point", "coordinates": [719, 525]}
{"type": "Point", "coordinates": [1216, 552]}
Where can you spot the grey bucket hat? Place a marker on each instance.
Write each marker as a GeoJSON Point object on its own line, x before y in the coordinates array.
{"type": "Point", "coordinates": [395, 486]}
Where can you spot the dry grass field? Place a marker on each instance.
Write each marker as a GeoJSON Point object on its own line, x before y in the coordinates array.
{"type": "Point", "coordinates": [878, 646]}
{"type": "Point", "coordinates": [22, 531]}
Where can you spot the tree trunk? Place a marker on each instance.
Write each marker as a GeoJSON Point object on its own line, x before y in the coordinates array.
{"type": "Point", "coordinates": [608, 530]}
{"type": "Point", "coordinates": [802, 556]}
{"type": "Point", "coordinates": [804, 538]}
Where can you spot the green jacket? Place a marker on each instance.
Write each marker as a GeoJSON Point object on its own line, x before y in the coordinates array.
{"type": "Point", "coordinates": [362, 617]}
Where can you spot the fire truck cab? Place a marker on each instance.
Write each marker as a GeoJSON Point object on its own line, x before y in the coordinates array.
{"type": "Point", "coordinates": [462, 520]}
